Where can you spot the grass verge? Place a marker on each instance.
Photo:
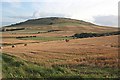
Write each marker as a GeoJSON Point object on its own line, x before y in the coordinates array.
{"type": "Point", "coordinates": [14, 67]}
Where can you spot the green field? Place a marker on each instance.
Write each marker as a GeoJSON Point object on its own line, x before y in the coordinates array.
{"type": "Point", "coordinates": [19, 68]}
{"type": "Point", "coordinates": [46, 38]}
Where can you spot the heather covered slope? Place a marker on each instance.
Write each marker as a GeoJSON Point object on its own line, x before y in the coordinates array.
{"type": "Point", "coordinates": [61, 24]}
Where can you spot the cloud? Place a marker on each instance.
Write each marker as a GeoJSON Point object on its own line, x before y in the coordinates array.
{"type": "Point", "coordinates": [77, 9]}
{"type": "Point", "coordinates": [38, 14]}
{"type": "Point", "coordinates": [11, 0]}
{"type": "Point", "coordinates": [20, 17]}
{"type": "Point", "coordinates": [8, 21]}
{"type": "Point", "coordinates": [109, 20]}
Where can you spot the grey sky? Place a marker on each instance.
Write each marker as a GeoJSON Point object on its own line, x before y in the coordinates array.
{"type": "Point", "coordinates": [103, 12]}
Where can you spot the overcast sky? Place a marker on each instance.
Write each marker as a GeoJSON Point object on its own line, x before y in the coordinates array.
{"type": "Point", "coordinates": [102, 12]}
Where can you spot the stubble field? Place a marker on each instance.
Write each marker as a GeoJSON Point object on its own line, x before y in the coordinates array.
{"type": "Point", "coordinates": [87, 57]}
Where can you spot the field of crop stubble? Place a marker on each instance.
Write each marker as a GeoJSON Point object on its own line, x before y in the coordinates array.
{"type": "Point", "coordinates": [85, 58]}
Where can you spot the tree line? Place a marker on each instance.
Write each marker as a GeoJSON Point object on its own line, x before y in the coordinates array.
{"type": "Point", "coordinates": [86, 35]}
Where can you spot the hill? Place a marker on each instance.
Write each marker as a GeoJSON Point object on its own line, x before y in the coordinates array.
{"type": "Point", "coordinates": [60, 24]}
{"type": "Point", "coordinates": [50, 21]}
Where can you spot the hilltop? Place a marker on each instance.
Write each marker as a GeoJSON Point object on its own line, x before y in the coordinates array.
{"type": "Point", "coordinates": [51, 21]}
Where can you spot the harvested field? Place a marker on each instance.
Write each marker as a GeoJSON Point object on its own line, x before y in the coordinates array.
{"type": "Point", "coordinates": [99, 51]}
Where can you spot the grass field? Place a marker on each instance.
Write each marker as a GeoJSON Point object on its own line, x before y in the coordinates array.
{"type": "Point", "coordinates": [23, 69]}
{"type": "Point", "coordinates": [46, 38]}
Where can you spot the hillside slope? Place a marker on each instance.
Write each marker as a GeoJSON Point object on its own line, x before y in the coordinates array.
{"type": "Point", "coordinates": [61, 24]}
